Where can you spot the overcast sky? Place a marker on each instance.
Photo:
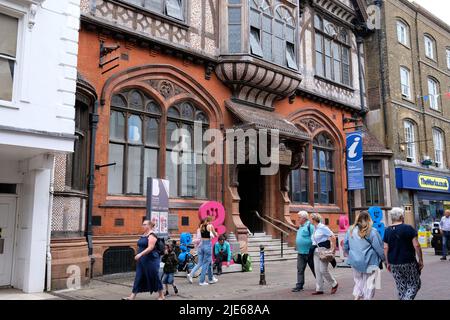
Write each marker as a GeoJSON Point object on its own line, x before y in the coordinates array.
{"type": "Point", "coordinates": [440, 8]}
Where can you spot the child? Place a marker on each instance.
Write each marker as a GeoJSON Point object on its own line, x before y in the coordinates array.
{"type": "Point", "coordinates": [170, 267]}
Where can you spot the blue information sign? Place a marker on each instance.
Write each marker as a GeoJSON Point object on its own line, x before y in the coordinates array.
{"type": "Point", "coordinates": [355, 165]}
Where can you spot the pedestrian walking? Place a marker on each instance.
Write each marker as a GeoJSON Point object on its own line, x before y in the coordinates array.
{"type": "Point", "coordinates": [444, 227]}
{"type": "Point", "coordinates": [197, 241]}
{"type": "Point", "coordinates": [324, 246]}
{"type": "Point", "coordinates": [401, 247]}
{"type": "Point", "coordinates": [170, 261]}
{"type": "Point", "coordinates": [305, 256]}
{"type": "Point", "coordinates": [147, 264]}
{"type": "Point", "coordinates": [207, 232]}
{"type": "Point", "coordinates": [364, 247]}
{"type": "Point", "coordinates": [222, 253]}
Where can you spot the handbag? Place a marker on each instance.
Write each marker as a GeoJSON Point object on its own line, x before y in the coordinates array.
{"type": "Point", "coordinates": [326, 255]}
{"type": "Point", "coordinates": [380, 265]}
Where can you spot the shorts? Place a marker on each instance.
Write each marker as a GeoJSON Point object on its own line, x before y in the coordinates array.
{"type": "Point", "coordinates": [168, 278]}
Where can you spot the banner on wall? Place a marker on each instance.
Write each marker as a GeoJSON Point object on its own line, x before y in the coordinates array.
{"type": "Point", "coordinates": [158, 205]}
{"type": "Point", "coordinates": [355, 164]}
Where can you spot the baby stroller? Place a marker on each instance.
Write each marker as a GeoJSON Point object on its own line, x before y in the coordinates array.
{"type": "Point", "coordinates": [186, 260]}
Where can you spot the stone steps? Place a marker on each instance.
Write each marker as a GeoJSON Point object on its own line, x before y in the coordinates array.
{"type": "Point", "coordinates": [272, 248]}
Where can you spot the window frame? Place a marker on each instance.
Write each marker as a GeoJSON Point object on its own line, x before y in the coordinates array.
{"type": "Point", "coordinates": [369, 179]}
{"type": "Point", "coordinates": [407, 73]}
{"type": "Point", "coordinates": [447, 52]}
{"type": "Point", "coordinates": [19, 51]}
{"type": "Point", "coordinates": [179, 122]}
{"type": "Point", "coordinates": [430, 40]}
{"type": "Point", "coordinates": [399, 24]}
{"type": "Point", "coordinates": [162, 13]}
{"type": "Point", "coordinates": [439, 152]}
{"type": "Point", "coordinates": [333, 41]}
{"type": "Point", "coordinates": [434, 98]}
{"type": "Point", "coordinates": [144, 116]}
{"type": "Point", "coordinates": [273, 16]}
{"type": "Point", "coordinates": [410, 136]}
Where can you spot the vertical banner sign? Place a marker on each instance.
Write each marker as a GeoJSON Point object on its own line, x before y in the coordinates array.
{"type": "Point", "coordinates": [355, 165]}
{"type": "Point", "coordinates": [158, 205]}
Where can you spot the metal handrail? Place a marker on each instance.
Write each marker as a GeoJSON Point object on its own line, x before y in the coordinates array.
{"type": "Point", "coordinates": [282, 232]}
{"type": "Point", "coordinates": [293, 229]}
{"type": "Point", "coordinates": [273, 225]}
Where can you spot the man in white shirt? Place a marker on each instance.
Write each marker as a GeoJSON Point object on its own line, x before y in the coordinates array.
{"type": "Point", "coordinates": [444, 225]}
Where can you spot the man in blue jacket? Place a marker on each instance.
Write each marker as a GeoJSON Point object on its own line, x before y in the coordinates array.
{"type": "Point", "coordinates": [222, 253]}
{"type": "Point", "coordinates": [303, 245]}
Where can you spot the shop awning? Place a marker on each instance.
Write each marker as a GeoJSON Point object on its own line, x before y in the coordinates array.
{"type": "Point", "coordinates": [257, 119]}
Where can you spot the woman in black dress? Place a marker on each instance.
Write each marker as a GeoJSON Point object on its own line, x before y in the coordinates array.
{"type": "Point", "coordinates": [147, 264]}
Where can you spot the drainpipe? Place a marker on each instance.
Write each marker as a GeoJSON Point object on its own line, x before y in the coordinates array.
{"type": "Point", "coordinates": [93, 122]}
{"type": "Point", "coordinates": [381, 38]}
{"type": "Point", "coordinates": [48, 285]}
{"type": "Point", "coordinates": [359, 42]}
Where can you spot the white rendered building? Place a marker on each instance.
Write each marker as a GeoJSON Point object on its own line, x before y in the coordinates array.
{"type": "Point", "coordinates": [38, 60]}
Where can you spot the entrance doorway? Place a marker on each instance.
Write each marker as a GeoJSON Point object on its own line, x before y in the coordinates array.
{"type": "Point", "coordinates": [7, 228]}
{"type": "Point", "coordinates": [251, 192]}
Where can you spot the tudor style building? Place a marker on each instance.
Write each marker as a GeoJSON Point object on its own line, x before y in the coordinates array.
{"type": "Point", "coordinates": [147, 68]}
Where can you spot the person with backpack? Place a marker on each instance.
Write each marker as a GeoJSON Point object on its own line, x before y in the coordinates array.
{"type": "Point", "coordinates": [147, 263]}
{"type": "Point", "coordinates": [402, 249]}
{"type": "Point", "coordinates": [170, 261]}
{"type": "Point", "coordinates": [303, 246]}
{"type": "Point", "coordinates": [364, 247]}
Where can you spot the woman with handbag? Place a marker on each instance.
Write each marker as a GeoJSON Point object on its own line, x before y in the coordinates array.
{"type": "Point", "coordinates": [324, 246]}
{"type": "Point", "coordinates": [365, 251]}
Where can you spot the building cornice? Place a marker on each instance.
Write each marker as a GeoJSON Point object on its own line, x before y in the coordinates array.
{"type": "Point", "coordinates": [427, 14]}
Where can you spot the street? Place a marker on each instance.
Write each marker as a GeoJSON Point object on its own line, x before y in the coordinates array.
{"type": "Point", "coordinates": [280, 277]}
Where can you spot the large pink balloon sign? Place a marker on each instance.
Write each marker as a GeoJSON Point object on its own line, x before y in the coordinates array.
{"type": "Point", "coordinates": [215, 210]}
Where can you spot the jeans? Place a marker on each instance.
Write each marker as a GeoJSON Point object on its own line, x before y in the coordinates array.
{"type": "Point", "coordinates": [205, 260]}
{"type": "Point", "coordinates": [445, 240]}
{"type": "Point", "coordinates": [302, 261]}
{"type": "Point", "coordinates": [168, 278]}
{"type": "Point", "coordinates": [219, 259]}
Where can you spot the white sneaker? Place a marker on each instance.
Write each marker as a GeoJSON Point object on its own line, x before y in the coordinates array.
{"type": "Point", "coordinates": [214, 280]}
{"type": "Point", "coordinates": [189, 277]}
{"type": "Point", "coordinates": [203, 283]}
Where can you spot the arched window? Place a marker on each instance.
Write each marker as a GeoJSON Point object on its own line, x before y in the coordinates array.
{"type": "Point", "coordinates": [187, 178]}
{"type": "Point", "coordinates": [272, 33]}
{"type": "Point", "coordinates": [433, 94]}
{"type": "Point", "coordinates": [402, 33]}
{"type": "Point", "coordinates": [318, 168]}
{"type": "Point", "coordinates": [405, 82]}
{"type": "Point", "coordinates": [323, 166]}
{"type": "Point", "coordinates": [332, 51]}
{"type": "Point", "coordinates": [410, 138]}
{"type": "Point", "coordinates": [438, 141]}
{"type": "Point", "coordinates": [134, 142]}
{"type": "Point", "coordinates": [429, 46]}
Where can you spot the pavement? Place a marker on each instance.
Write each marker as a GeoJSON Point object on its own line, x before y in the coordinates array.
{"type": "Point", "coordinates": [14, 294]}
{"type": "Point", "coordinates": [280, 278]}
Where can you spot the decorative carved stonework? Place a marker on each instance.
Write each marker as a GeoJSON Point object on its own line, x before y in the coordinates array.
{"type": "Point", "coordinates": [311, 124]}
{"type": "Point", "coordinates": [256, 81]}
{"type": "Point", "coordinates": [166, 88]}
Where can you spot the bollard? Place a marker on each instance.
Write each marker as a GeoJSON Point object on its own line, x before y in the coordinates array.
{"type": "Point", "coordinates": [262, 269]}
